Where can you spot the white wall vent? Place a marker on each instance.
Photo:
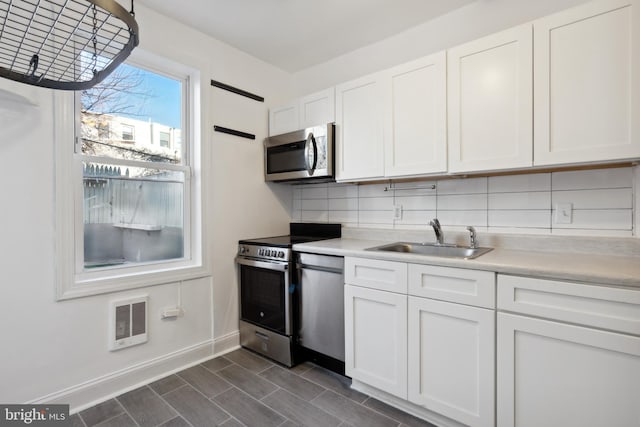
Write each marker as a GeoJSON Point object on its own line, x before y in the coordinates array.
{"type": "Point", "coordinates": [128, 322]}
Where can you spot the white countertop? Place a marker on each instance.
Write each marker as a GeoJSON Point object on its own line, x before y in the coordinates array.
{"type": "Point", "coordinates": [587, 268]}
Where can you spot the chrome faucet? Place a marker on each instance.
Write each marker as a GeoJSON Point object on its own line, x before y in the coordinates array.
{"type": "Point", "coordinates": [473, 240]}
{"type": "Point", "coordinates": [438, 230]}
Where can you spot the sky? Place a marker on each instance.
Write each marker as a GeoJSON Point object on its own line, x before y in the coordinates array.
{"type": "Point", "coordinates": [164, 106]}
{"type": "Point", "coordinates": [161, 102]}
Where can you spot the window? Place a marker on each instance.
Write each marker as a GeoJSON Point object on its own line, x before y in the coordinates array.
{"type": "Point", "coordinates": [135, 214]}
{"type": "Point", "coordinates": [165, 139]}
{"type": "Point", "coordinates": [127, 130]}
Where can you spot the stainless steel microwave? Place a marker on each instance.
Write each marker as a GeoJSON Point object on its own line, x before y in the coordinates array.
{"type": "Point", "coordinates": [306, 154]}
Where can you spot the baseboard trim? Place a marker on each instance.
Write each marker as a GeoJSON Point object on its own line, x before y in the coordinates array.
{"type": "Point", "coordinates": [226, 343]}
{"type": "Point", "coordinates": [97, 390]}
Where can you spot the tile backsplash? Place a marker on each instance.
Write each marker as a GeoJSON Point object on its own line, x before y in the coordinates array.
{"type": "Point", "coordinates": [602, 202]}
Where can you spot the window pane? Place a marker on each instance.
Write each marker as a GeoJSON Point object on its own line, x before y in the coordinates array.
{"type": "Point", "coordinates": [165, 139]}
{"type": "Point", "coordinates": [132, 215]}
{"type": "Point", "coordinates": [133, 114]}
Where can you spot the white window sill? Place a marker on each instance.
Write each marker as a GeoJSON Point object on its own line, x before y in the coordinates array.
{"type": "Point", "coordinates": [143, 227]}
{"type": "Point", "coordinates": [83, 287]}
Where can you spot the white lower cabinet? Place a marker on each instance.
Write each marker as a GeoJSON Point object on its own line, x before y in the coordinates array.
{"type": "Point", "coordinates": [585, 372]}
{"type": "Point", "coordinates": [451, 360]}
{"type": "Point", "coordinates": [556, 354]}
{"type": "Point", "coordinates": [437, 355]}
{"type": "Point", "coordinates": [376, 338]}
{"type": "Point", "coordinates": [556, 374]}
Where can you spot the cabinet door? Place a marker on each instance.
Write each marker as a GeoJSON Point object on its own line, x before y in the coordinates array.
{"type": "Point", "coordinates": [490, 102]}
{"type": "Point", "coordinates": [376, 338]}
{"type": "Point", "coordinates": [416, 117]}
{"type": "Point", "coordinates": [359, 149]}
{"type": "Point", "coordinates": [451, 360]}
{"type": "Point", "coordinates": [587, 83]}
{"type": "Point", "coordinates": [318, 108]}
{"type": "Point", "coordinates": [555, 374]}
{"type": "Point", "coordinates": [283, 119]}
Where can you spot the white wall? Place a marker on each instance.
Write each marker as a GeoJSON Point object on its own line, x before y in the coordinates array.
{"type": "Point", "coordinates": [57, 351]}
{"type": "Point", "coordinates": [475, 20]}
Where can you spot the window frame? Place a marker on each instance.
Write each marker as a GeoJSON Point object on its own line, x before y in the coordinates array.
{"type": "Point", "coordinates": [72, 279]}
{"type": "Point", "coordinates": [160, 133]}
{"type": "Point", "coordinates": [132, 133]}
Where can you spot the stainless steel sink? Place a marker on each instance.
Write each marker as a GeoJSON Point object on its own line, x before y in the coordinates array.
{"type": "Point", "coordinates": [447, 251]}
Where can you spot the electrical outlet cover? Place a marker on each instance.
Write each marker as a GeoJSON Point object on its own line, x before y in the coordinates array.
{"type": "Point", "coordinates": [564, 213]}
{"type": "Point", "coordinates": [397, 212]}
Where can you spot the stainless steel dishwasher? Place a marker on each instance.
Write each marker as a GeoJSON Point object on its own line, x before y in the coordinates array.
{"type": "Point", "coordinates": [321, 309]}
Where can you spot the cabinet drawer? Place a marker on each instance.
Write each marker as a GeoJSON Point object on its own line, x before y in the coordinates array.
{"type": "Point", "coordinates": [605, 307]}
{"type": "Point", "coordinates": [470, 287]}
{"type": "Point", "coordinates": [376, 274]}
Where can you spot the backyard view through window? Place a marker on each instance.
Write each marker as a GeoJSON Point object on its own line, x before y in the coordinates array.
{"type": "Point", "coordinates": [135, 171]}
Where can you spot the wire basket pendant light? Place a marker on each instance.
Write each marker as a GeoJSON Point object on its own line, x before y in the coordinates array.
{"type": "Point", "coordinates": [64, 44]}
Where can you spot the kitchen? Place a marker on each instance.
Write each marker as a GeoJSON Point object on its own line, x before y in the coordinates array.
{"type": "Point", "coordinates": [56, 350]}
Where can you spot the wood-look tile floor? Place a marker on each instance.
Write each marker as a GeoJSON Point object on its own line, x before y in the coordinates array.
{"type": "Point", "coordinates": [244, 389]}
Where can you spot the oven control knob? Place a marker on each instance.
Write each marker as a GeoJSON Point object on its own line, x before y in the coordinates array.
{"type": "Point", "coordinates": [243, 250]}
{"type": "Point", "coordinates": [280, 254]}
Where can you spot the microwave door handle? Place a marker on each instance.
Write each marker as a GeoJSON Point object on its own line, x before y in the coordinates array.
{"type": "Point", "coordinates": [311, 145]}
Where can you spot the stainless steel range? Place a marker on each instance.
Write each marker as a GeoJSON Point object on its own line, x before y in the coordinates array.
{"type": "Point", "coordinates": [268, 294]}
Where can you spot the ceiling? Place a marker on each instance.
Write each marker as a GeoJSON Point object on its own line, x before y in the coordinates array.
{"type": "Point", "coordinates": [296, 34]}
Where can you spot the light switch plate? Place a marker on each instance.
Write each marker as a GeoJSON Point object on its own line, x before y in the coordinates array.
{"type": "Point", "coordinates": [564, 213]}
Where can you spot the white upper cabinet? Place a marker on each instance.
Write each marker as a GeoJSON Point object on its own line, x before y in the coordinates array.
{"type": "Point", "coordinates": [317, 109]}
{"type": "Point", "coordinates": [587, 84]}
{"type": "Point", "coordinates": [311, 110]}
{"type": "Point", "coordinates": [490, 89]}
{"type": "Point", "coordinates": [416, 117]}
{"type": "Point", "coordinates": [283, 119]}
{"type": "Point", "coordinates": [359, 116]}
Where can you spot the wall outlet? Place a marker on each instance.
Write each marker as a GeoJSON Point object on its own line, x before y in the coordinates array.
{"type": "Point", "coordinates": [564, 213]}
{"type": "Point", "coordinates": [397, 212]}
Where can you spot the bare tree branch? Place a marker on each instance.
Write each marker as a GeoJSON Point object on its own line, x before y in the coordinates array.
{"type": "Point", "coordinates": [122, 92]}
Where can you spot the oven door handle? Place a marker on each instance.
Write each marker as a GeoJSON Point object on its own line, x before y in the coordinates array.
{"type": "Point", "coordinates": [263, 264]}
{"type": "Point", "coordinates": [311, 146]}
